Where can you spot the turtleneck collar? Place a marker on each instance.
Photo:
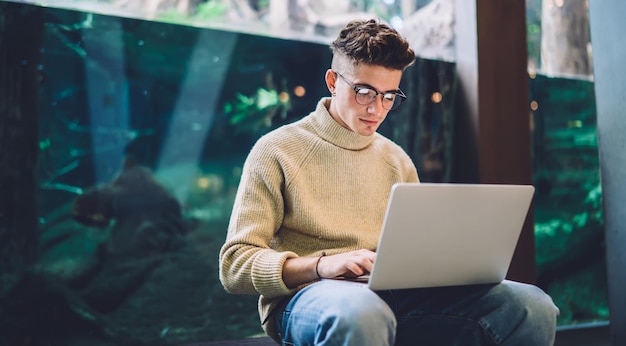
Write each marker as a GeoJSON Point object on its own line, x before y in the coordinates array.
{"type": "Point", "coordinates": [330, 130]}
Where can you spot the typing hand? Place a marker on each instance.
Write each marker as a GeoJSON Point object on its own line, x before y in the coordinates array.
{"type": "Point", "coordinates": [349, 264]}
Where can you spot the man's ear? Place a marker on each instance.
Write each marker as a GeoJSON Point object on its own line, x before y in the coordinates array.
{"type": "Point", "coordinates": [331, 80]}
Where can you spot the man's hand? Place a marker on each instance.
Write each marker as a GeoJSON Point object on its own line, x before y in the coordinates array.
{"type": "Point", "coordinates": [297, 271]}
{"type": "Point", "coordinates": [348, 264]}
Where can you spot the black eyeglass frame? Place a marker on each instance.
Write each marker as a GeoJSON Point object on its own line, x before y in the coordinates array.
{"type": "Point", "coordinates": [398, 94]}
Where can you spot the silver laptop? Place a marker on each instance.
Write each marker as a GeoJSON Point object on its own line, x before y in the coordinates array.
{"type": "Point", "coordinates": [449, 234]}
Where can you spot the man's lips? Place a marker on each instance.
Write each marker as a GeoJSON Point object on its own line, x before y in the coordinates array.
{"type": "Point", "coordinates": [369, 122]}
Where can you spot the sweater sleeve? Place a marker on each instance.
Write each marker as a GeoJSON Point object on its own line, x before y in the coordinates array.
{"type": "Point", "coordinates": [248, 265]}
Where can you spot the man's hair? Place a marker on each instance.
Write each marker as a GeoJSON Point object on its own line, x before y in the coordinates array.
{"type": "Point", "coordinates": [372, 42]}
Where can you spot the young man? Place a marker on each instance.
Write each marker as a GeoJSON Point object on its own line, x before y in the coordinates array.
{"type": "Point", "coordinates": [311, 203]}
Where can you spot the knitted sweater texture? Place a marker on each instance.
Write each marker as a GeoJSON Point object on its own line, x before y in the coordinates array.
{"type": "Point", "coordinates": [306, 188]}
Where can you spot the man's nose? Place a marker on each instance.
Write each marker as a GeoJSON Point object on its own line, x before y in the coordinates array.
{"type": "Point", "coordinates": [376, 107]}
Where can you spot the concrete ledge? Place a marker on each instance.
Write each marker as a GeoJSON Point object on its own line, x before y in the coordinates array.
{"type": "Point", "coordinates": [261, 341]}
{"type": "Point", "coordinates": [585, 334]}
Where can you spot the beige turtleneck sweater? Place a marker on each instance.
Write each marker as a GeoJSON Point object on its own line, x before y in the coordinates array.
{"type": "Point", "coordinates": [309, 187]}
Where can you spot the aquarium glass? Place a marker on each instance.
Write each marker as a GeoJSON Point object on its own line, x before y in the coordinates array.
{"type": "Point", "coordinates": [144, 130]}
{"type": "Point", "coordinates": [144, 127]}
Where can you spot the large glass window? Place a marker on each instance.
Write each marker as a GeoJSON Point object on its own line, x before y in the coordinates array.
{"type": "Point", "coordinates": [143, 129]}
{"type": "Point", "coordinates": [148, 109]}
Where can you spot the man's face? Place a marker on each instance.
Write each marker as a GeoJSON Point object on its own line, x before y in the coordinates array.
{"type": "Point", "coordinates": [344, 108]}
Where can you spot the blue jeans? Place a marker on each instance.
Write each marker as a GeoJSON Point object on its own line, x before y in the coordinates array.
{"type": "Point", "coordinates": [335, 312]}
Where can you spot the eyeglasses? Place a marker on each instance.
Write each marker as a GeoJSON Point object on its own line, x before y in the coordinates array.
{"type": "Point", "coordinates": [365, 95]}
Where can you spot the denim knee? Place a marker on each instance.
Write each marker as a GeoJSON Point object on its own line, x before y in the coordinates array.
{"type": "Point", "coordinates": [366, 319]}
{"type": "Point", "coordinates": [530, 315]}
{"type": "Point", "coordinates": [333, 315]}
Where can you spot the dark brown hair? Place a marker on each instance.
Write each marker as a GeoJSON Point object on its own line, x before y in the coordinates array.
{"type": "Point", "coordinates": [374, 43]}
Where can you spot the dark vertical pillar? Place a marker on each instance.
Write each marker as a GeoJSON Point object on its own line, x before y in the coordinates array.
{"type": "Point", "coordinates": [607, 39]}
{"type": "Point", "coordinates": [492, 65]}
{"type": "Point", "coordinates": [21, 29]}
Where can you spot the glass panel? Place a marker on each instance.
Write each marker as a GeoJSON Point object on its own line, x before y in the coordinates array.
{"type": "Point", "coordinates": [569, 229]}
{"type": "Point", "coordinates": [569, 225]}
{"type": "Point", "coordinates": [143, 130]}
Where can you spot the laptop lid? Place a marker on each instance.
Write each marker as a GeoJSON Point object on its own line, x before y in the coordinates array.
{"type": "Point", "coordinates": [449, 234]}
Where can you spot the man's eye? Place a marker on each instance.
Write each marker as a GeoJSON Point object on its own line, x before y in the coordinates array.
{"type": "Point", "coordinates": [366, 91]}
{"type": "Point", "coordinates": [389, 96]}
